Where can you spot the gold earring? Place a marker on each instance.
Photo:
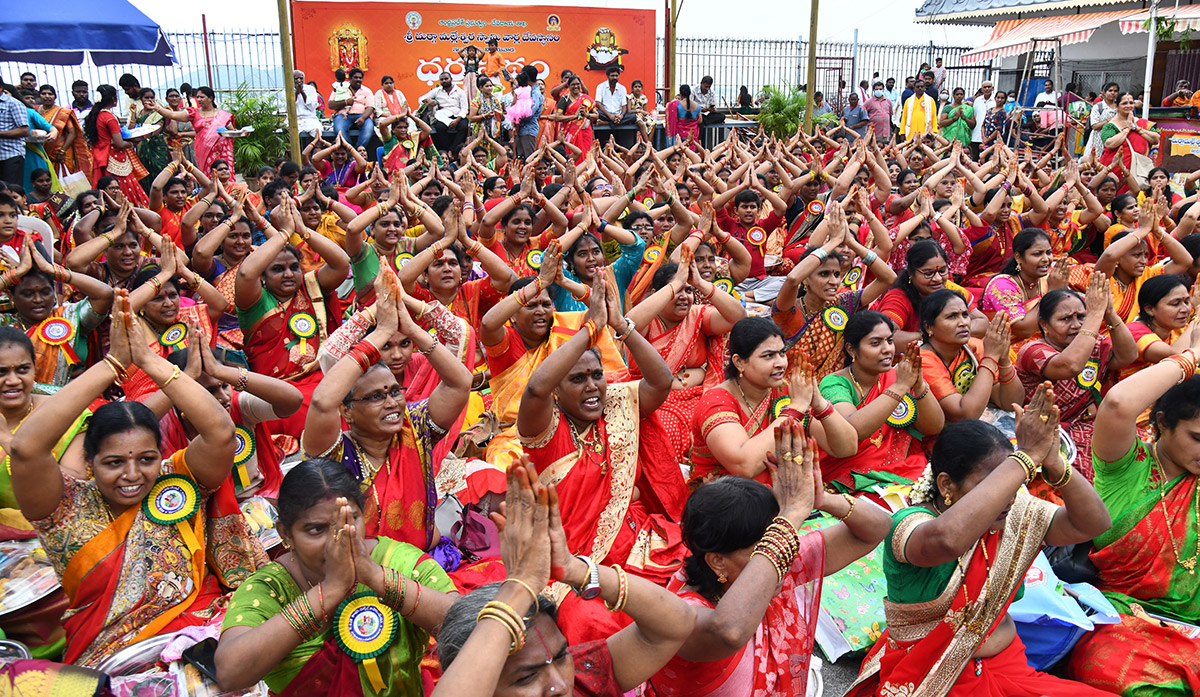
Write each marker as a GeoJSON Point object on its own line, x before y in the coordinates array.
{"type": "Point", "coordinates": [721, 578]}
{"type": "Point", "coordinates": [946, 499]}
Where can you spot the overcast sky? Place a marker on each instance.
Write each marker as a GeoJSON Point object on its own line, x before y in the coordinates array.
{"type": "Point", "coordinates": [877, 21]}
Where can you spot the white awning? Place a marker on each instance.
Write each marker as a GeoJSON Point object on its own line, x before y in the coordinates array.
{"type": "Point", "coordinates": [1186, 17]}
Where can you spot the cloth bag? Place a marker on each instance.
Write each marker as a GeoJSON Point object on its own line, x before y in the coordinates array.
{"type": "Point", "coordinates": [1052, 616]}
{"type": "Point", "coordinates": [72, 183]}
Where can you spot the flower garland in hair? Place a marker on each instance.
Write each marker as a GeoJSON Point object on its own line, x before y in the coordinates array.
{"type": "Point", "coordinates": [923, 488]}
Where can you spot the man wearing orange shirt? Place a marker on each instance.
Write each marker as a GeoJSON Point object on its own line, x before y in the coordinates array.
{"type": "Point", "coordinates": [493, 62]}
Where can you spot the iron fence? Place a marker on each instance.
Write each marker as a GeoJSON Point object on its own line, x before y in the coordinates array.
{"type": "Point", "coordinates": [754, 63]}
{"type": "Point", "coordinates": [252, 57]}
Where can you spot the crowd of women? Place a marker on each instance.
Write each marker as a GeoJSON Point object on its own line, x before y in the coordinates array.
{"type": "Point", "coordinates": [676, 380]}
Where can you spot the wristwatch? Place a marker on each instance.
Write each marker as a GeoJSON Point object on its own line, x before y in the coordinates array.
{"type": "Point", "coordinates": [591, 588]}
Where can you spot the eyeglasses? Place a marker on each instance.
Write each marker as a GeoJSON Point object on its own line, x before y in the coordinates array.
{"type": "Point", "coordinates": [642, 226]}
{"type": "Point", "coordinates": [934, 273]}
{"type": "Point", "coordinates": [377, 398]}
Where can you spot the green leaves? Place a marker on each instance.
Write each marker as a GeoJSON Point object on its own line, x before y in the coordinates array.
{"type": "Point", "coordinates": [783, 111]}
{"type": "Point", "coordinates": [269, 139]}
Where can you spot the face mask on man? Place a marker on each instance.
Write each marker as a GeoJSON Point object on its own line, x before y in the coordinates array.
{"type": "Point", "coordinates": [878, 93]}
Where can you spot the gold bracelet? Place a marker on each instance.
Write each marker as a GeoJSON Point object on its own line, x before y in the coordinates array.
{"type": "Point", "coordinates": [527, 587]}
{"type": "Point", "coordinates": [1089, 332]}
{"type": "Point", "coordinates": [1066, 478]}
{"type": "Point", "coordinates": [174, 375]}
{"type": "Point", "coordinates": [1026, 463]}
{"type": "Point", "coordinates": [852, 501]}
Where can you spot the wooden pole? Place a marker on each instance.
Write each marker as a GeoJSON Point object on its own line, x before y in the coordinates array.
{"type": "Point", "coordinates": [812, 67]}
{"type": "Point", "coordinates": [289, 82]}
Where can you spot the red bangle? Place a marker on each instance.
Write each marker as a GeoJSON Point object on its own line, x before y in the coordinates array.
{"type": "Point", "coordinates": [824, 413]}
{"type": "Point", "coordinates": [593, 332]}
{"type": "Point", "coordinates": [793, 413]}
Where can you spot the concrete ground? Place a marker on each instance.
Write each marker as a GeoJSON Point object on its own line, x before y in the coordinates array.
{"type": "Point", "coordinates": [838, 676]}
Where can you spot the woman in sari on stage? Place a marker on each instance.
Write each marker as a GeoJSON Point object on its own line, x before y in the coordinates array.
{"type": "Point", "coordinates": [732, 425]}
{"type": "Point", "coordinates": [284, 314]}
{"type": "Point", "coordinates": [755, 621]}
{"type": "Point", "coordinates": [518, 334]}
{"type": "Point", "coordinates": [1165, 306]}
{"type": "Point", "coordinates": [1147, 561]}
{"type": "Point", "coordinates": [112, 154]}
{"type": "Point", "coordinates": [1126, 134]}
{"type": "Point", "coordinates": [884, 396]}
{"type": "Point", "coordinates": [389, 441]}
{"type": "Point", "coordinates": [152, 150]}
{"type": "Point", "coordinates": [576, 112]}
{"type": "Point", "coordinates": [145, 546]}
{"type": "Point", "coordinates": [683, 117]}
{"type": "Point", "coordinates": [283, 625]}
{"type": "Point", "coordinates": [1127, 259]}
{"type": "Point", "coordinates": [690, 337]}
{"type": "Point", "coordinates": [957, 557]}
{"type": "Point", "coordinates": [604, 449]}
{"type": "Point", "coordinates": [955, 365]}
{"type": "Point", "coordinates": [209, 122]}
{"type": "Point", "coordinates": [70, 149]}
{"type": "Point", "coordinates": [814, 320]}
{"type": "Point", "coordinates": [1076, 359]}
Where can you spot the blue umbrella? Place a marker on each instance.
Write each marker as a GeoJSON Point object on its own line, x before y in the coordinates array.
{"type": "Point", "coordinates": [113, 33]}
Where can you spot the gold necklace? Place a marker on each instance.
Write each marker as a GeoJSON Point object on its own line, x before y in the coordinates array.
{"type": "Point", "coordinates": [746, 403]}
{"type": "Point", "coordinates": [589, 440]}
{"type": "Point", "coordinates": [1189, 564]}
{"type": "Point", "coordinates": [877, 439]}
{"type": "Point", "coordinates": [28, 411]}
{"type": "Point", "coordinates": [975, 627]}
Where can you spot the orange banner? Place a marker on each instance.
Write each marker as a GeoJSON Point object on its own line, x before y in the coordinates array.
{"type": "Point", "coordinates": [415, 42]}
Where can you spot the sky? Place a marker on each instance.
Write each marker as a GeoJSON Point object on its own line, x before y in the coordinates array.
{"type": "Point", "coordinates": [877, 21]}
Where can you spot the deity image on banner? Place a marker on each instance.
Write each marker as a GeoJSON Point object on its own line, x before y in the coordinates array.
{"type": "Point", "coordinates": [348, 48]}
{"type": "Point", "coordinates": [604, 51]}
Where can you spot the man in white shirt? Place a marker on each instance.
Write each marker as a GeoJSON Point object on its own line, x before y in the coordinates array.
{"type": "Point", "coordinates": [984, 103]}
{"type": "Point", "coordinates": [706, 99]}
{"type": "Point", "coordinates": [1046, 105]}
{"type": "Point", "coordinates": [307, 123]}
{"type": "Point", "coordinates": [939, 75]}
{"type": "Point", "coordinates": [612, 100]}
{"type": "Point", "coordinates": [449, 120]}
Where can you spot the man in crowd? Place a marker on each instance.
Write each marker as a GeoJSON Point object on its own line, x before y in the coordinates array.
{"type": "Point", "coordinates": [527, 128]}
{"type": "Point", "coordinates": [307, 123]}
{"type": "Point", "coordinates": [820, 108]}
{"type": "Point", "coordinates": [356, 112]}
{"type": "Point", "coordinates": [79, 99]}
{"type": "Point", "coordinates": [29, 81]}
{"type": "Point", "coordinates": [919, 113]}
{"type": "Point", "coordinates": [855, 118]}
{"type": "Point", "coordinates": [449, 121]}
{"type": "Point", "coordinates": [612, 100]}
{"type": "Point", "coordinates": [1182, 95]}
{"type": "Point", "coordinates": [984, 103]}
{"type": "Point", "coordinates": [14, 126]}
{"type": "Point", "coordinates": [879, 109]}
{"type": "Point", "coordinates": [939, 75]}
{"type": "Point", "coordinates": [706, 99]}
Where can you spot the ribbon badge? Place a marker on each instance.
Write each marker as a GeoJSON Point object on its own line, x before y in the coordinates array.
{"type": "Point", "coordinates": [57, 331]}
{"type": "Point", "coordinates": [852, 277]}
{"type": "Point", "coordinates": [303, 327]}
{"type": "Point", "coordinates": [815, 207]}
{"type": "Point", "coordinates": [401, 260]}
{"type": "Point", "coordinates": [904, 414]}
{"type": "Point", "coordinates": [407, 144]}
{"type": "Point", "coordinates": [648, 201]}
{"type": "Point", "coordinates": [1089, 377]}
{"type": "Point", "coordinates": [244, 440]}
{"type": "Point", "coordinates": [779, 405]}
{"type": "Point", "coordinates": [756, 236]}
{"type": "Point", "coordinates": [835, 318]}
{"type": "Point", "coordinates": [364, 628]}
{"type": "Point", "coordinates": [534, 258]}
{"type": "Point", "coordinates": [724, 284]}
{"type": "Point", "coordinates": [173, 499]}
{"type": "Point", "coordinates": [652, 254]}
{"type": "Point", "coordinates": [964, 377]}
{"type": "Point", "coordinates": [175, 336]}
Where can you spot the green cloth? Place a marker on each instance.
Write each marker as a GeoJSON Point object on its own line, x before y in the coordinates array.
{"type": "Point", "coordinates": [837, 389]}
{"type": "Point", "coordinates": [910, 584]}
{"type": "Point", "coordinates": [7, 500]}
{"type": "Point", "coordinates": [958, 129]}
{"type": "Point", "coordinates": [264, 594]}
{"type": "Point", "coordinates": [1130, 493]}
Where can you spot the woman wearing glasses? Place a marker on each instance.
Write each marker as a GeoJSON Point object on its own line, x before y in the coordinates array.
{"type": "Point", "coordinates": [927, 268]}
{"type": "Point", "coordinates": [388, 443]}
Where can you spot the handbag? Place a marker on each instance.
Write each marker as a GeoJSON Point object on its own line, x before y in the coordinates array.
{"type": "Point", "coordinates": [72, 183]}
{"type": "Point", "coordinates": [1140, 165]}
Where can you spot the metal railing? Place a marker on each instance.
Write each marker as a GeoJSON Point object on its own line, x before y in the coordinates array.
{"type": "Point", "coordinates": [252, 57]}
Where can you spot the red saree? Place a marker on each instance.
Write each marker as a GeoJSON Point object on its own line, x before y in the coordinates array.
{"type": "Point", "coordinates": [777, 657]}
{"type": "Point", "coordinates": [991, 246]}
{"type": "Point", "coordinates": [689, 344]}
{"type": "Point", "coordinates": [889, 449]}
{"type": "Point", "coordinates": [928, 648]}
{"type": "Point", "coordinates": [618, 454]}
{"type": "Point", "coordinates": [578, 132]}
{"type": "Point", "coordinates": [718, 407]}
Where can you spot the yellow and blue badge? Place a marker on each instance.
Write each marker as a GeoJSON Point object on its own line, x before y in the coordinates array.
{"type": "Point", "coordinates": [1089, 377]}
{"type": "Point", "coordinates": [304, 327]}
{"type": "Point", "coordinates": [400, 260]}
{"type": "Point", "coordinates": [852, 277]}
{"type": "Point", "coordinates": [244, 449]}
{"type": "Point", "coordinates": [173, 499]}
{"type": "Point", "coordinates": [364, 628]}
{"type": "Point", "coordinates": [652, 253]}
{"type": "Point", "coordinates": [175, 336]}
{"type": "Point", "coordinates": [534, 259]}
{"type": "Point", "coordinates": [835, 318]}
{"type": "Point", "coordinates": [724, 284]}
{"type": "Point", "coordinates": [57, 331]}
{"type": "Point", "coordinates": [905, 413]}
{"type": "Point", "coordinates": [756, 236]}
{"type": "Point", "coordinates": [779, 405]}
{"type": "Point", "coordinates": [964, 376]}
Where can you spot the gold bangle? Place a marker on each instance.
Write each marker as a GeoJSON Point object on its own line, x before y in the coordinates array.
{"type": "Point", "coordinates": [852, 501]}
{"type": "Point", "coordinates": [527, 587]}
{"type": "Point", "coordinates": [1026, 463]}
{"type": "Point", "coordinates": [174, 375]}
{"type": "Point", "coordinates": [1063, 481]}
